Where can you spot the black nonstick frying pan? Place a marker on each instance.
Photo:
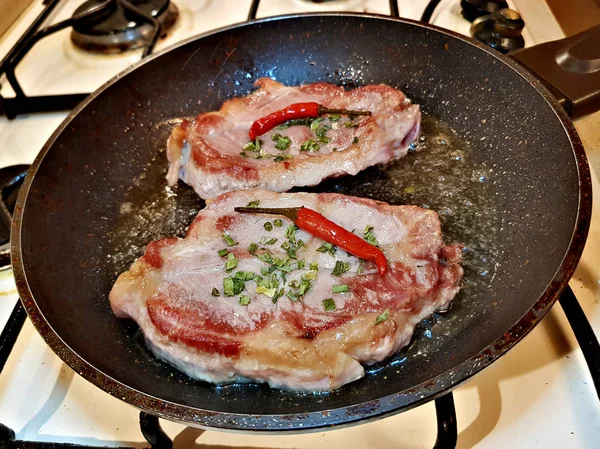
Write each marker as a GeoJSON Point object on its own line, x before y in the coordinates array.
{"type": "Point", "coordinates": [74, 228]}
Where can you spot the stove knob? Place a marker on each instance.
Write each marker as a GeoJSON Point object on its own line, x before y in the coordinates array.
{"type": "Point", "coordinates": [500, 30]}
{"type": "Point", "coordinates": [471, 9]}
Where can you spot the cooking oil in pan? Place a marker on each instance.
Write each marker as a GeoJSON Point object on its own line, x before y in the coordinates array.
{"type": "Point", "coordinates": [440, 172]}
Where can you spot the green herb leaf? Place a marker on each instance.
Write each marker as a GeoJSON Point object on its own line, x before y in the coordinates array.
{"type": "Point", "coordinates": [340, 288]}
{"type": "Point", "coordinates": [290, 231]}
{"type": "Point", "coordinates": [350, 125]}
{"type": "Point", "coordinates": [314, 266]}
{"type": "Point", "coordinates": [327, 248]}
{"type": "Point", "coordinates": [223, 252]}
{"type": "Point", "coordinates": [328, 304]}
{"type": "Point", "coordinates": [334, 117]}
{"type": "Point", "coordinates": [383, 317]}
{"type": "Point", "coordinates": [278, 222]}
{"type": "Point", "coordinates": [254, 203]}
{"type": "Point", "coordinates": [268, 226]}
{"type": "Point", "coordinates": [309, 275]}
{"type": "Point", "coordinates": [370, 236]}
{"type": "Point", "coordinates": [320, 133]}
{"type": "Point", "coordinates": [244, 275]}
{"type": "Point", "coordinates": [266, 257]}
{"type": "Point", "coordinates": [295, 122]}
{"type": "Point", "coordinates": [300, 263]}
{"type": "Point", "coordinates": [281, 143]}
{"type": "Point", "coordinates": [229, 240]}
{"type": "Point", "coordinates": [252, 248]}
{"type": "Point", "coordinates": [277, 295]}
{"type": "Point", "coordinates": [410, 189]}
{"type": "Point", "coordinates": [244, 300]}
{"type": "Point", "coordinates": [231, 262]}
{"type": "Point", "coordinates": [310, 145]}
{"type": "Point", "coordinates": [340, 268]}
{"type": "Point", "coordinates": [282, 157]}
{"type": "Point", "coordinates": [266, 241]}
{"type": "Point", "coordinates": [243, 154]}
{"type": "Point", "coordinates": [315, 124]}
{"type": "Point", "coordinates": [215, 292]}
{"type": "Point", "coordinates": [355, 140]}
{"type": "Point", "coordinates": [232, 286]}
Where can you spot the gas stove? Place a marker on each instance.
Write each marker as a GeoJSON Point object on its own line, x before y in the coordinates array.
{"type": "Point", "coordinates": [540, 393]}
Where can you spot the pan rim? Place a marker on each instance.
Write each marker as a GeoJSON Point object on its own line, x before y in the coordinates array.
{"type": "Point", "coordinates": [341, 416]}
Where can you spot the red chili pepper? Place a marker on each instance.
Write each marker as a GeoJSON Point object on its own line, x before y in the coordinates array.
{"type": "Point", "coordinates": [319, 226]}
{"type": "Point", "coordinates": [294, 111]}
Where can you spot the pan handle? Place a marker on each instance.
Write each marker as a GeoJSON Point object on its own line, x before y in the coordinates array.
{"type": "Point", "coordinates": [583, 333]}
{"type": "Point", "coordinates": [570, 68]}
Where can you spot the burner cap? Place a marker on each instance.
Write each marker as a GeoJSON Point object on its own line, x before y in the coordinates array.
{"type": "Point", "coordinates": [118, 29]}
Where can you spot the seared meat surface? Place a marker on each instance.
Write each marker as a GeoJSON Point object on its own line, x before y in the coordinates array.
{"type": "Point", "coordinates": [213, 153]}
{"type": "Point", "coordinates": [248, 297]}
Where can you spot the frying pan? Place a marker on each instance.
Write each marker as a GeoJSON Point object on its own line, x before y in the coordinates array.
{"type": "Point", "coordinates": [68, 225]}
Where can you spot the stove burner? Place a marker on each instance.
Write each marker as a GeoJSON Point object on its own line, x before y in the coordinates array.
{"type": "Point", "coordinates": [126, 24]}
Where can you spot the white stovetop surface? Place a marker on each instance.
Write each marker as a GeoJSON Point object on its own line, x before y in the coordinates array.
{"type": "Point", "coordinates": [537, 395]}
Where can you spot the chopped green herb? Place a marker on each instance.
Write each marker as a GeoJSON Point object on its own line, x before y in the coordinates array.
{"type": "Point", "coordinates": [262, 290]}
{"type": "Point", "coordinates": [290, 231]}
{"type": "Point", "coordinates": [278, 294]}
{"type": "Point", "coordinates": [254, 203]}
{"type": "Point", "coordinates": [281, 143]}
{"type": "Point", "coordinates": [252, 248]}
{"type": "Point", "coordinates": [314, 266]}
{"type": "Point", "coordinates": [383, 317]}
{"type": "Point", "coordinates": [244, 275]}
{"type": "Point", "coordinates": [320, 133]}
{"type": "Point", "coordinates": [294, 283]}
{"type": "Point", "coordinates": [410, 189]}
{"type": "Point", "coordinates": [231, 262]}
{"type": "Point", "coordinates": [350, 125]}
{"type": "Point", "coordinates": [361, 266]}
{"type": "Point", "coordinates": [304, 287]}
{"type": "Point", "coordinates": [328, 304]}
{"type": "Point", "coordinates": [369, 236]}
{"type": "Point", "coordinates": [300, 263]}
{"type": "Point", "coordinates": [278, 222]}
{"type": "Point", "coordinates": [334, 117]}
{"type": "Point", "coordinates": [244, 300]}
{"type": "Point", "coordinates": [309, 275]}
{"type": "Point", "coordinates": [215, 292]}
{"type": "Point", "coordinates": [253, 145]}
{"type": "Point", "coordinates": [310, 145]}
{"type": "Point", "coordinates": [327, 248]}
{"type": "Point", "coordinates": [340, 288]}
{"type": "Point", "coordinates": [266, 256]}
{"type": "Point", "coordinates": [229, 240]}
{"type": "Point", "coordinates": [268, 226]}
{"type": "Point", "coordinates": [223, 252]}
{"type": "Point", "coordinates": [282, 157]}
{"type": "Point", "coordinates": [265, 241]}
{"type": "Point", "coordinates": [340, 268]}
{"type": "Point", "coordinates": [315, 124]}
{"type": "Point", "coordinates": [243, 154]}
{"type": "Point", "coordinates": [355, 140]}
{"type": "Point", "coordinates": [292, 295]}
{"type": "Point", "coordinates": [232, 286]}
{"type": "Point", "coordinates": [295, 122]}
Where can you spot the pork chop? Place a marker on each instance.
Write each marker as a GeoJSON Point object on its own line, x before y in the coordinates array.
{"type": "Point", "coordinates": [248, 297]}
{"type": "Point", "coordinates": [213, 153]}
